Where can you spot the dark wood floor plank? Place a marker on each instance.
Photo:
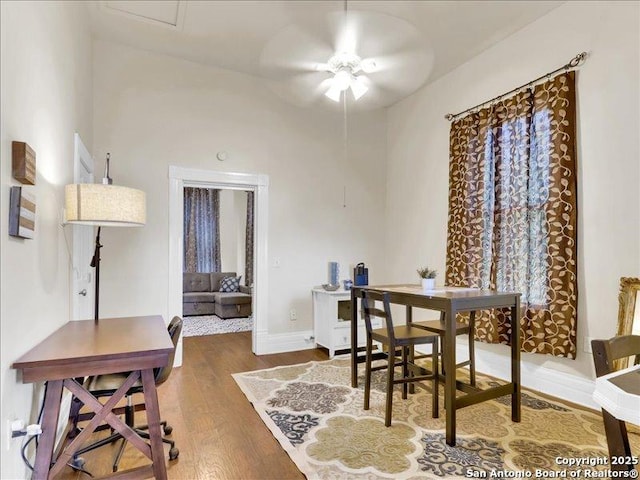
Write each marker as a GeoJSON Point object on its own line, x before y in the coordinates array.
{"type": "Point", "coordinates": [218, 432]}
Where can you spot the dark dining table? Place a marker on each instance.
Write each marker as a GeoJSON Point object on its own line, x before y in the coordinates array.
{"type": "Point", "coordinates": [450, 301]}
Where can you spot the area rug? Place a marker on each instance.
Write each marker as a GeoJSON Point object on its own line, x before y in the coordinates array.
{"type": "Point", "coordinates": [213, 325]}
{"type": "Point", "coordinates": [319, 420]}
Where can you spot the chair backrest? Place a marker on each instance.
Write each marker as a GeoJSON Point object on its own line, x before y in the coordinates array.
{"type": "Point", "coordinates": [369, 299]}
{"type": "Point", "coordinates": [606, 351]}
{"type": "Point", "coordinates": [174, 328]}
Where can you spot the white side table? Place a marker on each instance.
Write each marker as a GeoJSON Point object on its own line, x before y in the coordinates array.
{"type": "Point", "coordinates": [332, 320]}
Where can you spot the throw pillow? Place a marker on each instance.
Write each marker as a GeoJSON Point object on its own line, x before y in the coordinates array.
{"type": "Point", "coordinates": [230, 284]}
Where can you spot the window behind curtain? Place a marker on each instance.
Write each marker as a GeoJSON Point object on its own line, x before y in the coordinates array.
{"type": "Point", "coordinates": [513, 213]}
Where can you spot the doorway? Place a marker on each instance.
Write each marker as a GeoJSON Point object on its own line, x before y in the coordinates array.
{"type": "Point", "coordinates": [179, 178]}
{"type": "Point", "coordinates": [218, 261]}
{"type": "Point", "coordinates": [82, 281]}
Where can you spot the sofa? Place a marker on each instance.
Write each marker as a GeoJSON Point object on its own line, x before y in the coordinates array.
{"type": "Point", "coordinates": [201, 295]}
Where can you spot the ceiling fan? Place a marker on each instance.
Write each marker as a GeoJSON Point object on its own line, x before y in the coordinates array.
{"type": "Point", "coordinates": [373, 58]}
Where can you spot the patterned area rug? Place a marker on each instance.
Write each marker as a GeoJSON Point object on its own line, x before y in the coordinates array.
{"type": "Point", "coordinates": [212, 325]}
{"type": "Point", "coordinates": [318, 419]}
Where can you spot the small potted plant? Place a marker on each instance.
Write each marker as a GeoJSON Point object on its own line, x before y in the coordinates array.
{"type": "Point", "coordinates": [428, 277]}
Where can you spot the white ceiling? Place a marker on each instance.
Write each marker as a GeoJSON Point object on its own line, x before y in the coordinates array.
{"type": "Point", "coordinates": [247, 36]}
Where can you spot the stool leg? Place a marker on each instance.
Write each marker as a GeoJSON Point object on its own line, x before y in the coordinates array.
{"type": "Point", "coordinates": [367, 373]}
{"type": "Point", "coordinates": [435, 392]}
{"type": "Point", "coordinates": [390, 367]}
{"type": "Point", "coordinates": [472, 349]}
{"type": "Point", "coordinates": [405, 372]}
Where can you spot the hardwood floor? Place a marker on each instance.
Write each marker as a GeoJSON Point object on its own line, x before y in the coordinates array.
{"type": "Point", "coordinates": [216, 429]}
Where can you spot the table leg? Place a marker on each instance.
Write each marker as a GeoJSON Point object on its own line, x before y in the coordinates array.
{"type": "Point", "coordinates": [354, 339]}
{"type": "Point", "coordinates": [449, 363]}
{"type": "Point", "coordinates": [515, 361]}
{"type": "Point", "coordinates": [153, 420]}
{"type": "Point", "coordinates": [50, 413]}
{"type": "Point", "coordinates": [472, 348]}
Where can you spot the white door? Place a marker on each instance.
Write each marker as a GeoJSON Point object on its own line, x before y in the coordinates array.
{"type": "Point", "coordinates": [82, 281]}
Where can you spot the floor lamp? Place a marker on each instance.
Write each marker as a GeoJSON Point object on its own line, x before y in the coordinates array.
{"type": "Point", "coordinates": [103, 205]}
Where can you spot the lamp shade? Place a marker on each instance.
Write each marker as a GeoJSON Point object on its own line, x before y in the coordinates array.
{"type": "Point", "coordinates": [104, 205]}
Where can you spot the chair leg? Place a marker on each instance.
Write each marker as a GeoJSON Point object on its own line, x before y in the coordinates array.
{"type": "Point", "coordinates": [617, 440]}
{"type": "Point", "coordinates": [116, 461]}
{"type": "Point", "coordinates": [367, 373]}
{"type": "Point", "coordinates": [405, 371]}
{"type": "Point", "coordinates": [390, 367]}
{"type": "Point", "coordinates": [441, 340]}
{"type": "Point", "coordinates": [436, 381]}
{"type": "Point", "coordinates": [472, 356]}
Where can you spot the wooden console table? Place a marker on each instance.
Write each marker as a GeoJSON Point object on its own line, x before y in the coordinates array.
{"type": "Point", "coordinates": [450, 301]}
{"type": "Point", "coordinates": [83, 348]}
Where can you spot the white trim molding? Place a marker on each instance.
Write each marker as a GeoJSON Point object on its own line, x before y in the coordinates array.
{"type": "Point", "coordinates": [179, 177]}
{"type": "Point", "coordinates": [558, 384]}
{"type": "Point", "coordinates": [285, 342]}
{"type": "Point", "coordinates": [566, 386]}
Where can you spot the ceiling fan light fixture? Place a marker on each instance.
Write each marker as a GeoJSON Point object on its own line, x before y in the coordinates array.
{"type": "Point", "coordinates": [334, 93]}
{"type": "Point", "coordinates": [342, 80]}
{"type": "Point", "coordinates": [344, 66]}
{"type": "Point", "coordinates": [358, 88]}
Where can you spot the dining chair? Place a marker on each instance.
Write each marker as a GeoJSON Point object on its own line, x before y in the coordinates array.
{"type": "Point", "coordinates": [394, 337]}
{"type": "Point", "coordinates": [438, 326]}
{"type": "Point", "coordinates": [106, 385]}
{"type": "Point", "coordinates": [604, 354]}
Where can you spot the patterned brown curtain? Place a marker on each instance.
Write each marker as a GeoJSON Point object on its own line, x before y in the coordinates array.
{"type": "Point", "coordinates": [248, 264]}
{"type": "Point", "coordinates": [201, 232]}
{"type": "Point", "coordinates": [513, 213]}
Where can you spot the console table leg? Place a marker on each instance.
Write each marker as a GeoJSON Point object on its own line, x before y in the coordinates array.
{"type": "Point", "coordinates": [153, 419]}
{"type": "Point", "coordinates": [50, 413]}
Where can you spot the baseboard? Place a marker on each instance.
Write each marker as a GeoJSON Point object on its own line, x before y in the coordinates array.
{"type": "Point", "coordinates": [545, 380]}
{"type": "Point", "coordinates": [541, 379]}
{"type": "Point", "coordinates": [284, 342]}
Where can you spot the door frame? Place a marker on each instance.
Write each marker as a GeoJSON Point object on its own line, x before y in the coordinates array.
{"type": "Point", "coordinates": [180, 177]}
{"type": "Point", "coordinates": [82, 161]}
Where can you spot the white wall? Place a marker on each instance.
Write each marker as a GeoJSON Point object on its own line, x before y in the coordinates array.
{"type": "Point", "coordinates": [608, 157]}
{"type": "Point", "coordinates": [228, 232]}
{"type": "Point", "coordinates": [46, 96]}
{"type": "Point", "coordinates": [152, 111]}
{"type": "Point", "coordinates": [233, 221]}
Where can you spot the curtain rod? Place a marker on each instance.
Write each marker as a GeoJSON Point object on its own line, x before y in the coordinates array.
{"type": "Point", "coordinates": [573, 63]}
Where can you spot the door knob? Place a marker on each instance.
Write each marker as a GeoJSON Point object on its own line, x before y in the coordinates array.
{"type": "Point", "coordinates": [83, 292]}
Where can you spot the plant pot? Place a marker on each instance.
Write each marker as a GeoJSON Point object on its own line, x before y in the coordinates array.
{"type": "Point", "coordinates": [428, 283]}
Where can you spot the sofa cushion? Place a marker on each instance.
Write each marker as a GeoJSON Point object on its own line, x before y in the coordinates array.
{"type": "Point", "coordinates": [233, 298]}
{"type": "Point", "coordinates": [230, 284]}
{"type": "Point", "coordinates": [216, 278]}
{"type": "Point", "coordinates": [196, 282]}
{"type": "Point", "coordinates": [192, 297]}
